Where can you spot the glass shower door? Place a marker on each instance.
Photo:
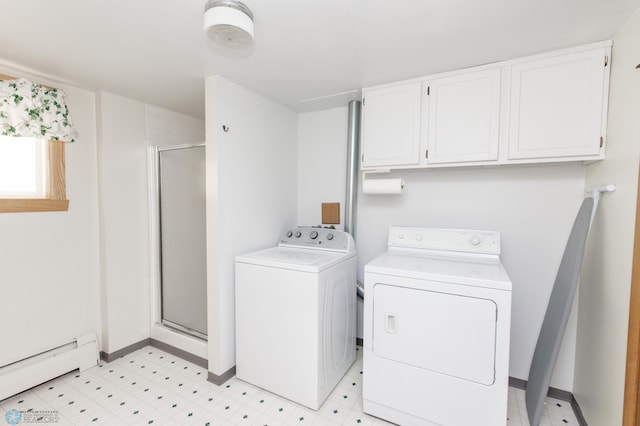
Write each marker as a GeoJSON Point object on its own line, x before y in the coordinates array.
{"type": "Point", "coordinates": [183, 273]}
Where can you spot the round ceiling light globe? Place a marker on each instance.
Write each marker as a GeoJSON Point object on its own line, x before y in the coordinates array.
{"type": "Point", "coordinates": [229, 23]}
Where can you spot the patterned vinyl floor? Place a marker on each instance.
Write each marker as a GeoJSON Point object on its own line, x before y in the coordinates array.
{"type": "Point", "coordinates": [152, 387]}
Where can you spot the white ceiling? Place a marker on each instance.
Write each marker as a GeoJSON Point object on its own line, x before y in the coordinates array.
{"type": "Point", "coordinates": [155, 50]}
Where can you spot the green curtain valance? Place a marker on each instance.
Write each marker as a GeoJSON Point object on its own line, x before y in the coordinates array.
{"type": "Point", "coordinates": [29, 109]}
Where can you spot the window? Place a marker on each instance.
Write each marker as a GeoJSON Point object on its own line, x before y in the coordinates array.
{"type": "Point", "coordinates": [32, 175]}
{"type": "Point", "coordinates": [22, 167]}
{"type": "Point", "coordinates": [35, 120]}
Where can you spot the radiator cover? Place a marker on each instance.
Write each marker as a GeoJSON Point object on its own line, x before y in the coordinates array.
{"type": "Point", "coordinates": [81, 353]}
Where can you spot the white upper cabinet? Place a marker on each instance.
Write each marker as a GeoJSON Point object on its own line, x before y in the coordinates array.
{"type": "Point", "coordinates": [391, 125]}
{"type": "Point", "coordinates": [558, 105]}
{"type": "Point", "coordinates": [463, 122]}
{"type": "Point", "coordinates": [546, 108]}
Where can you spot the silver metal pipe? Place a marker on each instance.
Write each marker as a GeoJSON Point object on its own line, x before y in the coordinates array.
{"type": "Point", "coordinates": [353, 142]}
{"type": "Point", "coordinates": [353, 156]}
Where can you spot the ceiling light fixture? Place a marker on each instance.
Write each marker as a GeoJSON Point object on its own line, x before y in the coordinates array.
{"type": "Point", "coordinates": [228, 22]}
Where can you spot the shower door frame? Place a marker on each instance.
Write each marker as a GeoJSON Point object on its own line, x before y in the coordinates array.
{"type": "Point", "coordinates": [155, 179]}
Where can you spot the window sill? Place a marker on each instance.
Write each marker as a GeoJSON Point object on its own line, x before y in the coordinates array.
{"type": "Point", "coordinates": [18, 205]}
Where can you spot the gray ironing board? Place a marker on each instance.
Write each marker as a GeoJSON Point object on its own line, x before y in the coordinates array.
{"type": "Point", "coordinates": [558, 309]}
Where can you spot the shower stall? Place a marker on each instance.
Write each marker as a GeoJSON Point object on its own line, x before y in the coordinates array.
{"type": "Point", "coordinates": [178, 216]}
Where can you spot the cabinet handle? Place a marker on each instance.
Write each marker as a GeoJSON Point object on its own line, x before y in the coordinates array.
{"type": "Point", "coordinates": [426, 154]}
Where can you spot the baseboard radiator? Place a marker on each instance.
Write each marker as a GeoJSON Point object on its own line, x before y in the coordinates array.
{"type": "Point", "coordinates": [18, 376]}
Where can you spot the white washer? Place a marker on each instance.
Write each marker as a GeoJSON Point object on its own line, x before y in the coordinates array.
{"type": "Point", "coordinates": [437, 317]}
{"type": "Point", "coordinates": [295, 314]}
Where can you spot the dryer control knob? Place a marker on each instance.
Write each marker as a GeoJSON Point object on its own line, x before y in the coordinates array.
{"type": "Point", "coordinates": [298, 233]}
{"type": "Point", "coordinates": [419, 237]}
{"type": "Point", "coordinates": [474, 241]}
{"type": "Point", "coordinates": [289, 234]}
{"type": "Point", "coordinates": [313, 235]}
{"type": "Point", "coordinates": [329, 237]}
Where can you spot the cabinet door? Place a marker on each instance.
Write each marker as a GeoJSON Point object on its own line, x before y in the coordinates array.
{"type": "Point", "coordinates": [557, 106]}
{"type": "Point", "coordinates": [391, 126]}
{"type": "Point", "coordinates": [463, 121]}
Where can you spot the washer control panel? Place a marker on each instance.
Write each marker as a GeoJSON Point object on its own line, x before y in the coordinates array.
{"type": "Point", "coordinates": [317, 238]}
{"type": "Point", "coordinates": [447, 240]}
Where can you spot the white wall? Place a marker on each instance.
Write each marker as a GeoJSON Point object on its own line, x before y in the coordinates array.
{"type": "Point", "coordinates": [165, 127]}
{"type": "Point", "coordinates": [532, 206]}
{"type": "Point", "coordinates": [322, 163]}
{"type": "Point", "coordinates": [49, 279]}
{"type": "Point", "coordinates": [251, 195]}
{"type": "Point", "coordinates": [69, 273]}
{"type": "Point", "coordinates": [123, 221]}
{"type": "Point", "coordinates": [606, 276]}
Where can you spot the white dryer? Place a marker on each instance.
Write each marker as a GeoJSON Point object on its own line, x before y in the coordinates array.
{"type": "Point", "coordinates": [296, 314]}
{"type": "Point", "coordinates": [437, 316]}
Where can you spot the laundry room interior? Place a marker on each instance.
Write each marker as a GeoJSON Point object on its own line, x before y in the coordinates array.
{"type": "Point", "coordinates": [280, 131]}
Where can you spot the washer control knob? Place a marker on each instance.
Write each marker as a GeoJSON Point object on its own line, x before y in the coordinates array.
{"type": "Point", "coordinates": [289, 234]}
{"type": "Point", "coordinates": [400, 236]}
{"type": "Point", "coordinates": [419, 237]}
{"type": "Point", "coordinates": [298, 233]}
{"type": "Point", "coordinates": [329, 237]}
{"type": "Point", "coordinates": [313, 235]}
{"type": "Point", "coordinates": [474, 241]}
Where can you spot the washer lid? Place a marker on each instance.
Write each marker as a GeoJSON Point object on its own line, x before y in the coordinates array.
{"type": "Point", "coordinates": [449, 270]}
{"type": "Point", "coordinates": [307, 260]}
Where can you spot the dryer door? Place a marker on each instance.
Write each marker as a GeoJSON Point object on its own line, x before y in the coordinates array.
{"type": "Point", "coordinates": [451, 334]}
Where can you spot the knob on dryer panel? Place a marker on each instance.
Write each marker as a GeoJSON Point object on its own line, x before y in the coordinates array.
{"type": "Point", "coordinates": [486, 242]}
